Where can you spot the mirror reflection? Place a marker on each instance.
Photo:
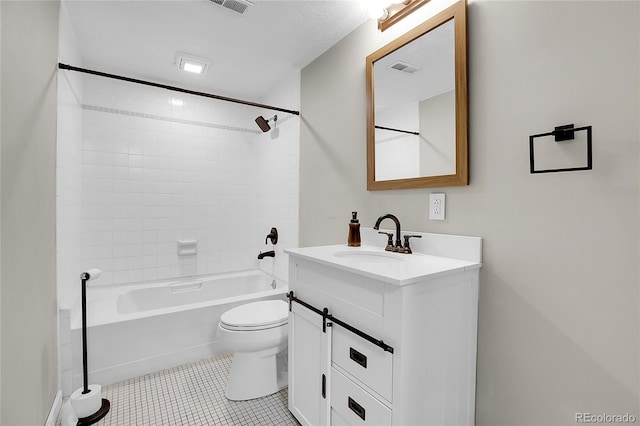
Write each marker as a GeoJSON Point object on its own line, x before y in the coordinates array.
{"type": "Point", "coordinates": [417, 106]}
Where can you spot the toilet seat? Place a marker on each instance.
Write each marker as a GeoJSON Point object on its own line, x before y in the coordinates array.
{"type": "Point", "coordinates": [256, 316]}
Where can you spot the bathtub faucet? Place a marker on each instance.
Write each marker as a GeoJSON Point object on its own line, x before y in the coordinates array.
{"type": "Point", "coordinates": [273, 236]}
{"type": "Point", "coordinates": [269, 253]}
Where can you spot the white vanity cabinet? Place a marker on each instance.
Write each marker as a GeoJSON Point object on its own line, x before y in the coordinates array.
{"type": "Point", "coordinates": [421, 371]}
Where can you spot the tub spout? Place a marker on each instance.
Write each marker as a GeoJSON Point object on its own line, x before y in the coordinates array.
{"type": "Point", "coordinates": [269, 253]}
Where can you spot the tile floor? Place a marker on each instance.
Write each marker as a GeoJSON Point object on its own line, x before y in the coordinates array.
{"type": "Point", "coordinates": [190, 395]}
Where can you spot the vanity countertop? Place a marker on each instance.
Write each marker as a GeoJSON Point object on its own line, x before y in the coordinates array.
{"type": "Point", "coordinates": [375, 262]}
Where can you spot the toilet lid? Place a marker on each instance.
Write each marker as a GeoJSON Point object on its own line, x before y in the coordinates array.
{"type": "Point", "coordinates": [263, 314]}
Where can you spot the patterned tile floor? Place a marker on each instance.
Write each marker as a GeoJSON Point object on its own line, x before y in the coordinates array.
{"type": "Point", "coordinates": [190, 395]}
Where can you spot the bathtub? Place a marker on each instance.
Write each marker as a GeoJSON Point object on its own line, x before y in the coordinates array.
{"type": "Point", "coordinates": [136, 329]}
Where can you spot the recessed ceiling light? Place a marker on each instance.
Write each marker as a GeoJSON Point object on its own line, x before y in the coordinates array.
{"type": "Point", "coordinates": [193, 67]}
{"type": "Point", "coordinates": [191, 63]}
{"type": "Point", "coordinates": [177, 102]}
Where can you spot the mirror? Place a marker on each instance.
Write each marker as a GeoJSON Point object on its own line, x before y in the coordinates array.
{"type": "Point", "coordinates": [417, 106]}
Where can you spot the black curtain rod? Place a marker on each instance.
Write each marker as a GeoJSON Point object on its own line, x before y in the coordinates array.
{"type": "Point", "coordinates": [397, 130]}
{"type": "Point", "coordinates": [175, 89]}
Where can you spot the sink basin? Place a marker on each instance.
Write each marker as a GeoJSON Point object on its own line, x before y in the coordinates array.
{"type": "Point", "coordinates": [369, 256]}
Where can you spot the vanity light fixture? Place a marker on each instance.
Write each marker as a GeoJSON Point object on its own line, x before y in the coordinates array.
{"type": "Point", "coordinates": [191, 63]}
{"type": "Point", "coordinates": [388, 12]}
{"type": "Point", "coordinates": [378, 9]}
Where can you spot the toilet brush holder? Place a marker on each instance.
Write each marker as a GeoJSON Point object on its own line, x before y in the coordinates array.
{"type": "Point", "coordinates": [86, 401]}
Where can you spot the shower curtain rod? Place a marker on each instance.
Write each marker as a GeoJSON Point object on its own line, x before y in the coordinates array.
{"type": "Point", "coordinates": [175, 89]}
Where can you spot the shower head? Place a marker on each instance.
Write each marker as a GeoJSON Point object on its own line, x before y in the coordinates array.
{"type": "Point", "coordinates": [264, 123]}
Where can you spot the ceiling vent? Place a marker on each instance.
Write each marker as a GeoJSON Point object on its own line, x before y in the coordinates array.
{"type": "Point", "coordinates": [404, 67]}
{"type": "Point", "coordinates": [238, 6]}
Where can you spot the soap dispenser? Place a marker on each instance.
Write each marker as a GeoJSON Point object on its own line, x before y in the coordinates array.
{"type": "Point", "coordinates": [354, 231]}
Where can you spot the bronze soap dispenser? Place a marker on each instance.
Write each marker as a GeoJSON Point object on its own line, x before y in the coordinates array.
{"type": "Point", "coordinates": [354, 231]}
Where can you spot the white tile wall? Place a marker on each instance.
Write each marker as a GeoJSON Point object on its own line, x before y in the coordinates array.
{"type": "Point", "coordinates": [153, 174]}
{"type": "Point", "coordinates": [65, 350]}
{"type": "Point", "coordinates": [279, 176]}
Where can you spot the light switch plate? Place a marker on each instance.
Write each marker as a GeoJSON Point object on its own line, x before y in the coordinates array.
{"type": "Point", "coordinates": [436, 206]}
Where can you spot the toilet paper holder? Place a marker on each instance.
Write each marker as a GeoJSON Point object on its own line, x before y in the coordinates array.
{"type": "Point", "coordinates": [84, 400]}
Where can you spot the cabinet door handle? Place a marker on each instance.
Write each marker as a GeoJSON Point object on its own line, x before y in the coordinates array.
{"type": "Point", "coordinates": [324, 386]}
{"type": "Point", "coordinates": [358, 357]}
{"type": "Point", "coordinates": [356, 408]}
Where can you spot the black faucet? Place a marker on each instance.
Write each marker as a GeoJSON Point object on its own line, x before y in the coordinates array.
{"type": "Point", "coordinates": [273, 236]}
{"type": "Point", "coordinates": [397, 222]}
{"type": "Point", "coordinates": [269, 253]}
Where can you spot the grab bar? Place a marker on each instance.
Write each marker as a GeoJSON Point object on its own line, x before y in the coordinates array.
{"type": "Point", "coordinates": [180, 288]}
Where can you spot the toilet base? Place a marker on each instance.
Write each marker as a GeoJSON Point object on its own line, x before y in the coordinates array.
{"type": "Point", "coordinates": [256, 374]}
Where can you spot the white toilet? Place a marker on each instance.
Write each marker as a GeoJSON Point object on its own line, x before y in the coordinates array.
{"type": "Point", "coordinates": [257, 334]}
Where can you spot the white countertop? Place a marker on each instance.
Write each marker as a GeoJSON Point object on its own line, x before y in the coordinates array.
{"type": "Point", "coordinates": [374, 262]}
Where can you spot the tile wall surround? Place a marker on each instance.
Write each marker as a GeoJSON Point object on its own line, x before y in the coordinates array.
{"type": "Point", "coordinates": [279, 156]}
{"type": "Point", "coordinates": [154, 173]}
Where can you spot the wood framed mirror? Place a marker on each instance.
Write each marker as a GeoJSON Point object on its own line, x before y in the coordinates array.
{"type": "Point", "coordinates": [417, 109]}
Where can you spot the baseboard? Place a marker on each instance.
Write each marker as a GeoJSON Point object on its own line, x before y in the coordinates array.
{"type": "Point", "coordinates": [55, 410]}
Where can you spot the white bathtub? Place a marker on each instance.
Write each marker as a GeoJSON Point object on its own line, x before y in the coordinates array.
{"type": "Point", "coordinates": [138, 329]}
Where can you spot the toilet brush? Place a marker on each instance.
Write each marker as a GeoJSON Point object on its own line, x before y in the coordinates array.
{"type": "Point", "coordinates": [86, 401]}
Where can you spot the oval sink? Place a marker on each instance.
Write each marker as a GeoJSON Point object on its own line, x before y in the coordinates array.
{"type": "Point", "coordinates": [369, 256]}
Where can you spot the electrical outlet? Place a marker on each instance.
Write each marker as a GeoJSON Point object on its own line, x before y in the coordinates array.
{"type": "Point", "coordinates": [436, 206]}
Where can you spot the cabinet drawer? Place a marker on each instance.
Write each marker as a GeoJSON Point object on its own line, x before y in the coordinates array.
{"type": "Point", "coordinates": [363, 360]}
{"type": "Point", "coordinates": [352, 405]}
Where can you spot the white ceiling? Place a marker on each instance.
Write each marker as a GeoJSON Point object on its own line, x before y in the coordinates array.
{"type": "Point", "coordinates": [250, 53]}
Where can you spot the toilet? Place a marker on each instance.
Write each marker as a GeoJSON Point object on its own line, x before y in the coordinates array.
{"type": "Point", "coordinates": [257, 334]}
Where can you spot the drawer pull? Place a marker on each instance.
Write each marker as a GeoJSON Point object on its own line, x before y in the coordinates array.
{"type": "Point", "coordinates": [356, 408]}
{"type": "Point", "coordinates": [324, 386]}
{"type": "Point", "coordinates": [358, 357]}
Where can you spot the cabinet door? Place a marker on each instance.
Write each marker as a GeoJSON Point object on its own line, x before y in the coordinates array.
{"type": "Point", "coordinates": [309, 366]}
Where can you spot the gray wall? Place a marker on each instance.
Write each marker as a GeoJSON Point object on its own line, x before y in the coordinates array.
{"type": "Point", "coordinates": [29, 378]}
{"type": "Point", "coordinates": [558, 321]}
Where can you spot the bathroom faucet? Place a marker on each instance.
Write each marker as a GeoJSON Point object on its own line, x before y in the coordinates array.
{"type": "Point", "coordinates": [269, 253]}
{"type": "Point", "coordinates": [397, 222]}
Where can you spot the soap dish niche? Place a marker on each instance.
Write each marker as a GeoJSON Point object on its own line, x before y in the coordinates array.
{"type": "Point", "coordinates": [187, 247]}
